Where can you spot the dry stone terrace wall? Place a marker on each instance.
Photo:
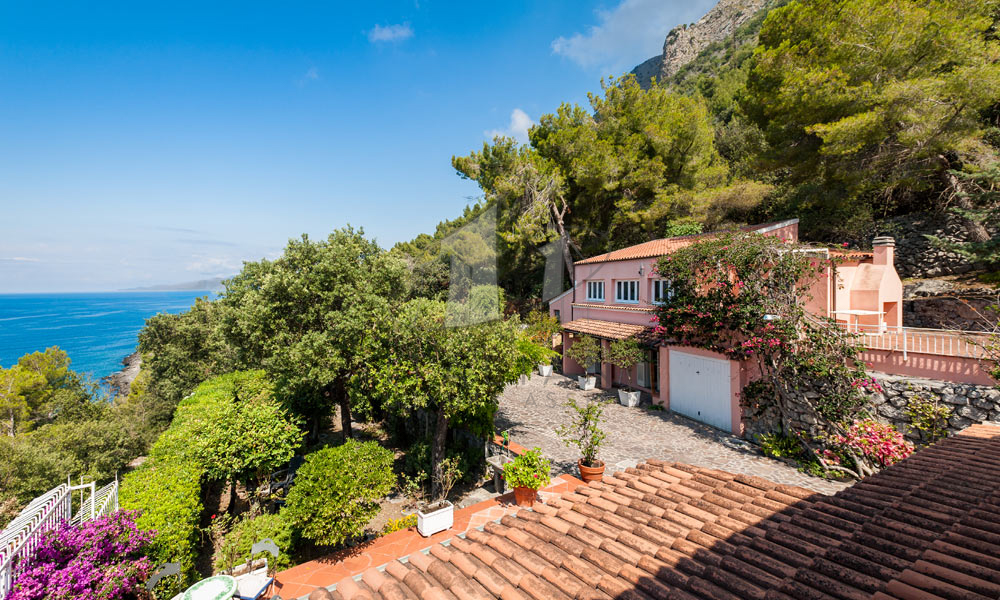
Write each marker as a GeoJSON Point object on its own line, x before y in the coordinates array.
{"type": "Point", "coordinates": [969, 403]}
{"type": "Point", "coordinates": [916, 256]}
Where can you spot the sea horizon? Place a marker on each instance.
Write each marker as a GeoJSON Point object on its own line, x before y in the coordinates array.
{"type": "Point", "coordinates": [98, 330]}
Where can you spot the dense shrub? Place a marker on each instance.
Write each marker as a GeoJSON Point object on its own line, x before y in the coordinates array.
{"type": "Point", "coordinates": [868, 439]}
{"type": "Point", "coordinates": [235, 547]}
{"type": "Point", "coordinates": [103, 559]}
{"type": "Point", "coordinates": [337, 490]}
{"type": "Point", "coordinates": [168, 488]}
{"type": "Point", "coordinates": [169, 496]}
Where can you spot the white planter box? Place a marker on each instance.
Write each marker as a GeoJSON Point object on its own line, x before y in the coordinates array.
{"type": "Point", "coordinates": [628, 398]}
{"type": "Point", "coordinates": [441, 519]}
{"type": "Point", "coordinates": [586, 382]}
{"type": "Point", "coordinates": [544, 370]}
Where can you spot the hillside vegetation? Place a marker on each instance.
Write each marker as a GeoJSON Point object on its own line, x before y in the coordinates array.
{"type": "Point", "coordinates": [839, 112]}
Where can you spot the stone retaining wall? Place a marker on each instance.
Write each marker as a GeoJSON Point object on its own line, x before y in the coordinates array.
{"type": "Point", "coordinates": [916, 256]}
{"type": "Point", "coordinates": [969, 403]}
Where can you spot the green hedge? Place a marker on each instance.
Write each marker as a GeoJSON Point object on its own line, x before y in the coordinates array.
{"type": "Point", "coordinates": [167, 489]}
{"type": "Point", "coordinates": [169, 496]}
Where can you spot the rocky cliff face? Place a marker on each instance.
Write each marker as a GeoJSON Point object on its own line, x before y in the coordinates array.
{"type": "Point", "coordinates": [685, 42]}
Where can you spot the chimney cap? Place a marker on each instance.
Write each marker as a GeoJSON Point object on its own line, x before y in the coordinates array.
{"type": "Point", "coordinates": [884, 240]}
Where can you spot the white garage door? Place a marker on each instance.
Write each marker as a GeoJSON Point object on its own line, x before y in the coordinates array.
{"type": "Point", "coordinates": [699, 388]}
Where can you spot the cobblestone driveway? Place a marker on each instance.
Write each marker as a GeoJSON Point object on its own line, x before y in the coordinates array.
{"type": "Point", "coordinates": [533, 410]}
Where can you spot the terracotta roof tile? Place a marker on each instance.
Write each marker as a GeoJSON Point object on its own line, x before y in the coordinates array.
{"type": "Point", "coordinates": [611, 330]}
{"type": "Point", "coordinates": [665, 246]}
{"type": "Point", "coordinates": [926, 528]}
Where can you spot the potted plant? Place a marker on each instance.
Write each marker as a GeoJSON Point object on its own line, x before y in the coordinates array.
{"type": "Point", "coordinates": [625, 354]}
{"type": "Point", "coordinates": [527, 473]}
{"type": "Point", "coordinates": [541, 328]}
{"type": "Point", "coordinates": [439, 514]}
{"type": "Point", "coordinates": [585, 350]}
{"type": "Point", "coordinates": [584, 432]}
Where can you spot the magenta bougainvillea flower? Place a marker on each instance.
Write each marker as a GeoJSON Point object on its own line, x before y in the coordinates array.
{"type": "Point", "coordinates": [103, 559]}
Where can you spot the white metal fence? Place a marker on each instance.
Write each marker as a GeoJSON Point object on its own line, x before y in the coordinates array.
{"type": "Point", "coordinates": [22, 535]}
{"type": "Point", "coordinates": [942, 342]}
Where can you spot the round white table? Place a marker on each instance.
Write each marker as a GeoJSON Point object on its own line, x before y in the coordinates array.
{"type": "Point", "coordinates": [217, 587]}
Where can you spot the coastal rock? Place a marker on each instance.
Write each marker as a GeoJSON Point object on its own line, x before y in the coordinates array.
{"type": "Point", "coordinates": [120, 383]}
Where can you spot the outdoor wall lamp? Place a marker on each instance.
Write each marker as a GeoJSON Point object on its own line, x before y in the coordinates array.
{"type": "Point", "coordinates": [640, 270]}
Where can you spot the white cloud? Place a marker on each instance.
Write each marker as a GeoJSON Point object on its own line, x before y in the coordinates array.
{"type": "Point", "coordinates": [311, 74]}
{"type": "Point", "coordinates": [628, 34]}
{"type": "Point", "coordinates": [390, 33]}
{"type": "Point", "coordinates": [21, 259]}
{"type": "Point", "coordinates": [518, 128]}
{"type": "Point", "coordinates": [215, 266]}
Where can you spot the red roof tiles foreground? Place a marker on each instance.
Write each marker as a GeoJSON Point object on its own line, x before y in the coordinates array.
{"type": "Point", "coordinates": [926, 528]}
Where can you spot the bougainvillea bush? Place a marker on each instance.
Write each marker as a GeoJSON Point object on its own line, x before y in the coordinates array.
{"type": "Point", "coordinates": [103, 559]}
{"type": "Point", "coordinates": [744, 295]}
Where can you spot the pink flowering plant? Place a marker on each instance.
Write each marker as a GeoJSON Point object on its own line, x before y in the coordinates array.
{"type": "Point", "coordinates": [530, 470]}
{"type": "Point", "coordinates": [867, 440]}
{"type": "Point", "coordinates": [103, 559]}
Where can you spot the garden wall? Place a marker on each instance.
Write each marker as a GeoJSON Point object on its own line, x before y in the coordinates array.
{"type": "Point", "coordinates": [969, 403]}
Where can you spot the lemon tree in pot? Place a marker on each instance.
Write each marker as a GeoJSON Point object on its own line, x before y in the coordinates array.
{"type": "Point", "coordinates": [584, 431]}
{"type": "Point", "coordinates": [541, 328]}
{"type": "Point", "coordinates": [585, 350]}
{"type": "Point", "coordinates": [527, 474]}
{"type": "Point", "coordinates": [625, 354]}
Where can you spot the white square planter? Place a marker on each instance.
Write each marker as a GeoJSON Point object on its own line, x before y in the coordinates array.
{"type": "Point", "coordinates": [627, 398]}
{"type": "Point", "coordinates": [586, 382]}
{"type": "Point", "coordinates": [439, 520]}
{"type": "Point", "coordinates": [544, 370]}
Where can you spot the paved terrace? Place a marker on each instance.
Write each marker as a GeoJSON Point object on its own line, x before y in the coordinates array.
{"type": "Point", "coordinates": [532, 412]}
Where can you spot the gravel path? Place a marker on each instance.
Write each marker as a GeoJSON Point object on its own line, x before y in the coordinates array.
{"type": "Point", "coordinates": [533, 410]}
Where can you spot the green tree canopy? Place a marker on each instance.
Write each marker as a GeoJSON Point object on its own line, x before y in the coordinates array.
{"type": "Point", "coordinates": [307, 316]}
{"type": "Point", "coordinates": [247, 439]}
{"type": "Point", "coordinates": [452, 372]}
{"type": "Point", "coordinates": [878, 99]}
{"type": "Point", "coordinates": [179, 351]}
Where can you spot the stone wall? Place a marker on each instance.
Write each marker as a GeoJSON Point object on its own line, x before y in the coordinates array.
{"type": "Point", "coordinates": [916, 256]}
{"type": "Point", "coordinates": [938, 304]}
{"type": "Point", "coordinates": [969, 403]}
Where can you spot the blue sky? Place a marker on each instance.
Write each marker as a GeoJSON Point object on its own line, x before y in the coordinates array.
{"type": "Point", "coordinates": [145, 143]}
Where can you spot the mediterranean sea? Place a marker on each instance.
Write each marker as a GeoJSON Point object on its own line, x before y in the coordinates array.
{"type": "Point", "coordinates": [97, 330]}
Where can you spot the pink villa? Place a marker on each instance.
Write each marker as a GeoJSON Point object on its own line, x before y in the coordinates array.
{"type": "Point", "coordinates": [615, 295]}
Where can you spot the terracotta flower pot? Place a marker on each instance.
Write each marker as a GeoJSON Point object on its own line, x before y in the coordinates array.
{"type": "Point", "coordinates": [588, 474]}
{"type": "Point", "coordinates": [525, 496]}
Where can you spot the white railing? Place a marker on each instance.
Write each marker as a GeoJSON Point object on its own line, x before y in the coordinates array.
{"type": "Point", "coordinates": [941, 342]}
{"type": "Point", "coordinates": [22, 535]}
{"type": "Point", "coordinates": [100, 503]}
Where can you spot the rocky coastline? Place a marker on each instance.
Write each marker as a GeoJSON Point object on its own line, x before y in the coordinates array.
{"type": "Point", "coordinates": [120, 383]}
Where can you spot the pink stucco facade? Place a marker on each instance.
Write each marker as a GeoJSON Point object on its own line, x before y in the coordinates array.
{"type": "Point", "coordinates": [860, 290]}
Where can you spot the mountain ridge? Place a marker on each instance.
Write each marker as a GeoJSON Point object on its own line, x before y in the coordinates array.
{"type": "Point", "coordinates": [685, 42]}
